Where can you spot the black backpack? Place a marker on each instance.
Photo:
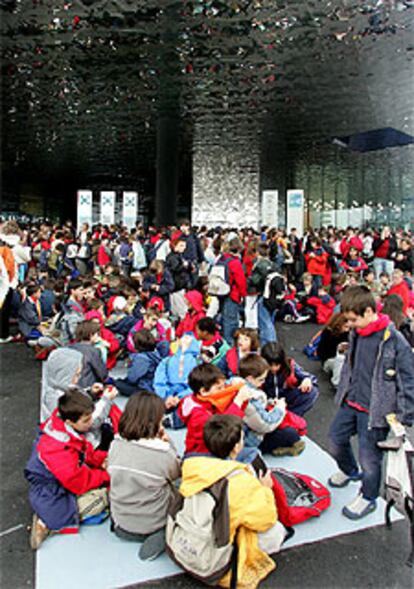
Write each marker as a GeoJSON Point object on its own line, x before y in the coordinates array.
{"type": "Point", "coordinates": [274, 291]}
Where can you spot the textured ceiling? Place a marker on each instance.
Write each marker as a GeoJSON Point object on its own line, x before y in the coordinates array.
{"type": "Point", "coordinates": [84, 82]}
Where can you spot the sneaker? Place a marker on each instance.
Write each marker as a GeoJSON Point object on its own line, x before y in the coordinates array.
{"type": "Point", "coordinates": [359, 507]}
{"type": "Point", "coordinates": [6, 340]}
{"type": "Point", "coordinates": [153, 546]}
{"type": "Point", "coordinates": [297, 448]}
{"type": "Point", "coordinates": [340, 479]}
{"type": "Point", "coordinates": [39, 532]}
{"type": "Point", "coordinates": [302, 318]}
{"type": "Point", "coordinates": [289, 319]}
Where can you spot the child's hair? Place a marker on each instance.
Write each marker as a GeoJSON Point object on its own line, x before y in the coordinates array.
{"type": "Point", "coordinates": [384, 275]}
{"type": "Point", "coordinates": [221, 433]}
{"type": "Point", "coordinates": [274, 353]}
{"type": "Point", "coordinates": [336, 323]}
{"type": "Point", "coordinates": [86, 329]}
{"type": "Point", "coordinates": [74, 284]}
{"type": "Point", "coordinates": [367, 272]}
{"type": "Point", "coordinates": [207, 324]}
{"type": "Point", "coordinates": [393, 307]}
{"type": "Point", "coordinates": [357, 299]}
{"type": "Point", "coordinates": [152, 312]}
{"type": "Point", "coordinates": [96, 304]}
{"type": "Point", "coordinates": [73, 404]}
{"type": "Point", "coordinates": [307, 276]}
{"type": "Point", "coordinates": [263, 250]}
{"type": "Point", "coordinates": [252, 365]}
{"type": "Point", "coordinates": [142, 416]}
{"type": "Point", "coordinates": [156, 267]}
{"type": "Point", "coordinates": [251, 334]}
{"type": "Point", "coordinates": [31, 289]}
{"type": "Point", "coordinates": [204, 376]}
{"type": "Point", "coordinates": [144, 341]}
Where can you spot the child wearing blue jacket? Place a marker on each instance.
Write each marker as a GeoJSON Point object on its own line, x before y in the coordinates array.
{"type": "Point", "coordinates": [171, 375]}
{"type": "Point", "coordinates": [142, 364]}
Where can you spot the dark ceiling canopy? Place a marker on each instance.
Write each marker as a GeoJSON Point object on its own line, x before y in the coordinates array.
{"type": "Point", "coordinates": [85, 81]}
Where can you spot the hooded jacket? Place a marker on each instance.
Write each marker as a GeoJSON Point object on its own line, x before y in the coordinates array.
{"type": "Point", "coordinates": [57, 374]}
{"type": "Point", "coordinates": [62, 465]}
{"type": "Point", "coordinates": [188, 324]}
{"type": "Point", "coordinates": [161, 335]}
{"type": "Point", "coordinates": [251, 510]}
{"type": "Point", "coordinates": [171, 375]}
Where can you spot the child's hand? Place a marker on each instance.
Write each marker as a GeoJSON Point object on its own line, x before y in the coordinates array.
{"type": "Point", "coordinates": [244, 394]}
{"type": "Point", "coordinates": [265, 479]}
{"type": "Point", "coordinates": [104, 464]}
{"type": "Point", "coordinates": [110, 392]}
{"type": "Point", "coordinates": [171, 402]}
{"type": "Point", "coordinates": [162, 434]}
{"type": "Point", "coordinates": [305, 386]}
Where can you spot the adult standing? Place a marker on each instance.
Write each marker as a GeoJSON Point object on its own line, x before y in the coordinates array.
{"type": "Point", "coordinates": [232, 303]}
{"type": "Point", "coordinates": [384, 247]}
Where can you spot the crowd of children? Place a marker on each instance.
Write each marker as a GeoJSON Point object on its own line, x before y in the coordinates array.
{"type": "Point", "coordinates": [192, 315]}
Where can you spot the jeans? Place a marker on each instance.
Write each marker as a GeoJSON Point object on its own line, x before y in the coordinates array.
{"type": "Point", "coordinates": [382, 265]}
{"type": "Point", "coordinates": [279, 438]}
{"type": "Point", "coordinates": [230, 319]}
{"type": "Point", "coordinates": [299, 402]}
{"type": "Point", "coordinates": [267, 329]}
{"type": "Point", "coordinates": [347, 423]}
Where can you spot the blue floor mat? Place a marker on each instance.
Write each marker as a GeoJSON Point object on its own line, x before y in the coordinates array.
{"type": "Point", "coordinates": [97, 558]}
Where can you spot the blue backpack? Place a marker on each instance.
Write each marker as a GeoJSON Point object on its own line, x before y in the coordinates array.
{"type": "Point", "coordinates": [311, 349]}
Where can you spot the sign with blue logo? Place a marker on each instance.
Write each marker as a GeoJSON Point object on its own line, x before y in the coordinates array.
{"type": "Point", "coordinates": [295, 210]}
{"type": "Point", "coordinates": [108, 207]}
{"type": "Point", "coordinates": [84, 212]}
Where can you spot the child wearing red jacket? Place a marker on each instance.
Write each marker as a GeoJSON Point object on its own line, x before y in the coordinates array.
{"type": "Point", "coordinates": [324, 305]}
{"type": "Point", "coordinates": [196, 311]}
{"type": "Point", "coordinates": [210, 396]}
{"type": "Point", "coordinates": [317, 262]}
{"type": "Point", "coordinates": [400, 288]}
{"type": "Point", "coordinates": [64, 468]}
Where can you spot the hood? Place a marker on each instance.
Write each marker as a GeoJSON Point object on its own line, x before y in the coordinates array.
{"type": "Point", "coordinates": [196, 299]}
{"type": "Point", "coordinates": [61, 367]}
{"type": "Point", "coordinates": [94, 315]}
{"type": "Point", "coordinates": [200, 472]}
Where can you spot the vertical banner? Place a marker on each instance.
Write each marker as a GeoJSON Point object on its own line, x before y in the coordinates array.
{"type": "Point", "coordinates": [108, 207]}
{"type": "Point", "coordinates": [129, 209]}
{"type": "Point", "coordinates": [295, 210]}
{"type": "Point", "coordinates": [269, 210]}
{"type": "Point", "coordinates": [84, 212]}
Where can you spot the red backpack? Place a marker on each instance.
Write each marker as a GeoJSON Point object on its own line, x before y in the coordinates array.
{"type": "Point", "coordinates": [298, 496]}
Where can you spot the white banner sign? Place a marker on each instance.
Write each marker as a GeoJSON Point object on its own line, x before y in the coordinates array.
{"type": "Point", "coordinates": [129, 209]}
{"type": "Point", "coordinates": [84, 208]}
{"type": "Point", "coordinates": [295, 210]}
{"type": "Point", "coordinates": [107, 207]}
{"type": "Point", "coordinates": [269, 208]}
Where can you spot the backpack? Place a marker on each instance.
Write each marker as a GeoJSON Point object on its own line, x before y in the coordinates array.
{"type": "Point", "coordinates": [311, 349]}
{"type": "Point", "coordinates": [298, 496]}
{"type": "Point", "coordinates": [198, 530]}
{"type": "Point", "coordinates": [219, 278]}
{"type": "Point", "coordinates": [274, 291]}
{"type": "Point", "coordinates": [399, 483]}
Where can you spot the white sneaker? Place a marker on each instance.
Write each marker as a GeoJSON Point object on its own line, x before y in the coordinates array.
{"type": "Point", "coordinates": [6, 340]}
{"type": "Point", "coordinates": [340, 479]}
{"type": "Point", "coordinates": [302, 319]}
{"type": "Point", "coordinates": [359, 507]}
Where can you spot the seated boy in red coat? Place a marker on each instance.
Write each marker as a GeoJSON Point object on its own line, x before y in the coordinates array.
{"type": "Point", "coordinates": [64, 468]}
{"type": "Point", "coordinates": [324, 305]}
{"type": "Point", "coordinates": [210, 396]}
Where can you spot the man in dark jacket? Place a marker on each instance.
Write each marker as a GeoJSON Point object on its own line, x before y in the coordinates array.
{"type": "Point", "coordinates": [377, 381]}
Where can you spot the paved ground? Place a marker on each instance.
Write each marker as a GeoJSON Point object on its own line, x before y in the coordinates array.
{"type": "Point", "coordinates": [373, 558]}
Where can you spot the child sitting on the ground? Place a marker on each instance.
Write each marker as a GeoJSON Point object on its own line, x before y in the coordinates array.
{"type": "Point", "coordinates": [264, 417]}
{"type": "Point", "coordinates": [324, 305]}
{"type": "Point", "coordinates": [171, 376]}
{"type": "Point", "coordinates": [63, 469]}
{"type": "Point", "coordinates": [119, 321]}
{"type": "Point", "coordinates": [287, 379]}
{"type": "Point", "coordinates": [246, 341]}
{"type": "Point", "coordinates": [143, 464]}
{"type": "Point", "coordinates": [142, 364]}
{"type": "Point", "coordinates": [150, 322]}
{"type": "Point", "coordinates": [210, 396]}
{"type": "Point", "coordinates": [213, 346]}
{"type": "Point", "coordinates": [196, 311]}
{"type": "Point", "coordinates": [30, 314]}
{"type": "Point", "coordinates": [251, 504]}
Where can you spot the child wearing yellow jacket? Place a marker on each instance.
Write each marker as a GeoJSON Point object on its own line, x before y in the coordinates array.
{"type": "Point", "coordinates": [252, 507]}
